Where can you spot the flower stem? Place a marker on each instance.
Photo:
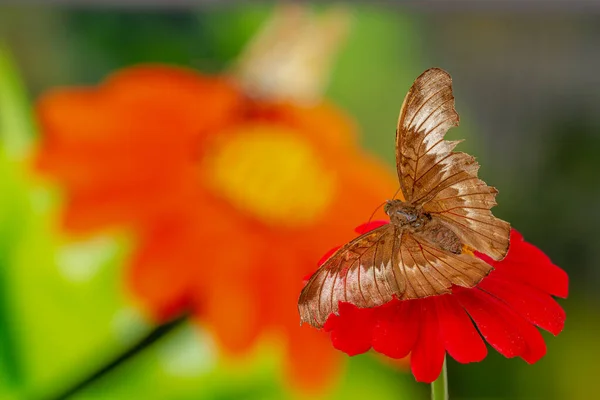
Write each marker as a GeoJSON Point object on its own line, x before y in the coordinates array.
{"type": "Point", "coordinates": [439, 387]}
{"type": "Point", "coordinates": [120, 359]}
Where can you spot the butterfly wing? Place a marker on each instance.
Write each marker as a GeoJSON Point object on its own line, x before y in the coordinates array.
{"type": "Point", "coordinates": [288, 59]}
{"type": "Point", "coordinates": [465, 208]}
{"type": "Point", "coordinates": [440, 180]}
{"type": "Point", "coordinates": [359, 273]}
{"type": "Point", "coordinates": [382, 264]}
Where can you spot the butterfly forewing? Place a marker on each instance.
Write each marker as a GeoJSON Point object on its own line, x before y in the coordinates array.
{"type": "Point", "coordinates": [442, 182]}
{"type": "Point", "coordinates": [426, 115]}
{"type": "Point", "coordinates": [361, 273]}
{"type": "Point", "coordinates": [382, 264]}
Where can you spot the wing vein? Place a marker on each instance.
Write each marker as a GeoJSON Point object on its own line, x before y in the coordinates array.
{"type": "Point", "coordinates": [433, 166]}
{"type": "Point", "coordinates": [459, 207]}
{"type": "Point", "coordinates": [425, 101]}
{"type": "Point", "coordinates": [434, 110]}
{"type": "Point", "coordinates": [321, 294]}
{"type": "Point", "coordinates": [392, 263]}
{"type": "Point", "coordinates": [472, 230]}
{"type": "Point", "coordinates": [464, 195]}
{"type": "Point", "coordinates": [438, 188]}
{"type": "Point", "coordinates": [429, 132]}
{"type": "Point", "coordinates": [419, 269]}
{"type": "Point", "coordinates": [376, 284]}
{"type": "Point", "coordinates": [472, 219]}
{"type": "Point", "coordinates": [433, 266]}
{"type": "Point", "coordinates": [408, 282]}
{"type": "Point", "coordinates": [448, 264]}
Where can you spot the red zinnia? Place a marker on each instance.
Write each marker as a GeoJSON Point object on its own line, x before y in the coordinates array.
{"type": "Point", "coordinates": [505, 308]}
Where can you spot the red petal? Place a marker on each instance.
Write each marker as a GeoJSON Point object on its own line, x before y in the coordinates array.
{"type": "Point", "coordinates": [396, 328]}
{"type": "Point", "coordinates": [351, 330]}
{"type": "Point", "coordinates": [427, 358]}
{"type": "Point", "coordinates": [461, 339]}
{"type": "Point", "coordinates": [532, 304]}
{"type": "Point", "coordinates": [492, 320]}
{"type": "Point", "coordinates": [535, 345]}
{"type": "Point", "coordinates": [515, 236]}
{"type": "Point", "coordinates": [530, 265]}
{"type": "Point", "coordinates": [369, 226]}
{"type": "Point", "coordinates": [546, 277]}
{"type": "Point", "coordinates": [509, 333]}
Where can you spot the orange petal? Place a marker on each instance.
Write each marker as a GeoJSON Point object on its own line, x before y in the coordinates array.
{"type": "Point", "coordinates": [231, 311]}
{"type": "Point", "coordinates": [323, 123]}
{"type": "Point", "coordinates": [171, 257]}
{"type": "Point", "coordinates": [226, 280]}
{"type": "Point", "coordinates": [127, 147]}
{"type": "Point", "coordinates": [312, 364]}
{"type": "Point", "coordinates": [183, 95]}
{"type": "Point", "coordinates": [159, 275]}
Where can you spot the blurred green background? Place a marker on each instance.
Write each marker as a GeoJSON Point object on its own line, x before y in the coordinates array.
{"type": "Point", "coordinates": [527, 89]}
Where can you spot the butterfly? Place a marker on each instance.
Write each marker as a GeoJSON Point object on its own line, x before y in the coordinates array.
{"type": "Point", "coordinates": [445, 216]}
{"type": "Point", "coordinates": [290, 56]}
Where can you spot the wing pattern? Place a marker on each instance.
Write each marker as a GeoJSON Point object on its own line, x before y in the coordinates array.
{"type": "Point", "coordinates": [382, 264]}
{"type": "Point", "coordinates": [466, 209]}
{"type": "Point", "coordinates": [421, 151]}
{"type": "Point", "coordinates": [444, 182]}
{"type": "Point", "coordinates": [453, 207]}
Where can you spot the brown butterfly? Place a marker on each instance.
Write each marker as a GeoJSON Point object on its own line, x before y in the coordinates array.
{"type": "Point", "coordinates": [428, 245]}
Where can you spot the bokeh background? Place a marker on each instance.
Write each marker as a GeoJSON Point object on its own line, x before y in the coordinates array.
{"type": "Point", "coordinates": [527, 87]}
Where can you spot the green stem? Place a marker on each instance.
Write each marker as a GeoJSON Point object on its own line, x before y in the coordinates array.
{"type": "Point", "coordinates": [439, 387]}
{"type": "Point", "coordinates": [120, 359]}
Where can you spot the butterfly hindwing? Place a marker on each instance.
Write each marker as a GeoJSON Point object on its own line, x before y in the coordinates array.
{"type": "Point", "coordinates": [430, 270]}
{"type": "Point", "coordinates": [466, 208]}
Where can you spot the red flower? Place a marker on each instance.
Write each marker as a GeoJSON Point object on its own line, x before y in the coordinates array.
{"type": "Point", "coordinates": [506, 306]}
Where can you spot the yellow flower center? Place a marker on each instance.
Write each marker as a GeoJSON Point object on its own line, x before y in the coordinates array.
{"type": "Point", "coordinates": [272, 173]}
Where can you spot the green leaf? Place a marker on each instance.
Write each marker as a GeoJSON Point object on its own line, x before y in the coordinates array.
{"type": "Point", "coordinates": [15, 134]}
{"type": "Point", "coordinates": [16, 127]}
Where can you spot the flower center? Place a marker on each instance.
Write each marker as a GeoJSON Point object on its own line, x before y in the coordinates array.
{"type": "Point", "coordinates": [272, 173]}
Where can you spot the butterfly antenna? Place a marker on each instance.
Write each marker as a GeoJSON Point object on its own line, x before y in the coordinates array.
{"type": "Point", "coordinates": [397, 191]}
{"type": "Point", "coordinates": [373, 214]}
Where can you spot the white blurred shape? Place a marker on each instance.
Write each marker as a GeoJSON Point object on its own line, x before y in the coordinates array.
{"type": "Point", "coordinates": [80, 261]}
{"type": "Point", "coordinates": [189, 352]}
{"type": "Point", "coordinates": [290, 58]}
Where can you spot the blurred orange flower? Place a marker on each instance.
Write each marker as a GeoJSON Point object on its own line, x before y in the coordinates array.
{"type": "Point", "coordinates": [121, 155]}
{"type": "Point", "coordinates": [233, 197]}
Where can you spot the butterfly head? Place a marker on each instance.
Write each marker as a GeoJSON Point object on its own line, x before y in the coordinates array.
{"type": "Point", "coordinates": [401, 213]}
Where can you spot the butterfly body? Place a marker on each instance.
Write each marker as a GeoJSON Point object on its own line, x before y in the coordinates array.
{"type": "Point", "coordinates": [446, 209]}
{"type": "Point", "coordinates": [413, 220]}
